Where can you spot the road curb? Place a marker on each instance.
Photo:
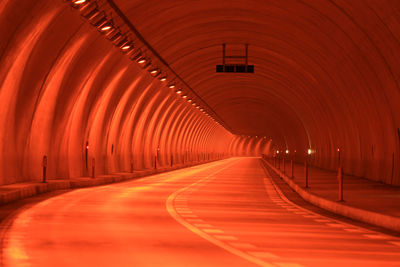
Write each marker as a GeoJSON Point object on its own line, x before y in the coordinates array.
{"type": "Point", "coordinates": [14, 192]}
{"type": "Point", "coordinates": [370, 217]}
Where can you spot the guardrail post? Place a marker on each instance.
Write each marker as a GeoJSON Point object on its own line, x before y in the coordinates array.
{"type": "Point", "coordinates": [172, 162]}
{"type": "Point", "coordinates": [340, 182]}
{"type": "Point", "coordinates": [292, 169]}
{"type": "Point", "coordinates": [155, 162]}
{"type": "Point", "coordinates": [44, 165]}
{"type": "Point", "coordinates": [131, 167]}
{"type": "Point", "coordinates": [93, 167]}
{"type": "Point", "coordinates": [306, 172]}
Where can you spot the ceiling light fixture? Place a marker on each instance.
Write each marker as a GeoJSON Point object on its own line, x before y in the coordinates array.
{"type": "Point", "coordinates": [172, 86]}
{"type": "Point", "coordinates": [127, 46]}
{"type": "Point", "coordinates": [154, 71]}
{"type": "Point", "coordinates": [106, 26]}
{"type": "Point", "coordinates": [179, 92]}
{"type": "Point", "coordinates": [184, 96]}
{"type": "Point", "coordinates": [78, 2]}
{"type": "Point", "coordinates": [163, 78]}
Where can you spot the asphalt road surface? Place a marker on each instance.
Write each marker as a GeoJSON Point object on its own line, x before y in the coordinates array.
{"type": "Point", "coordinates": [225, 213]}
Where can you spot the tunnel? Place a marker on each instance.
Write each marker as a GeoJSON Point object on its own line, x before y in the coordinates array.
{"type": "Point", "coordinates": [250, 97]}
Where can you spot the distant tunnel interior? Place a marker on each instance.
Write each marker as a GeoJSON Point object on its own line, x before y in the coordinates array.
{"type": "Point", "coordinates": [326, 78]}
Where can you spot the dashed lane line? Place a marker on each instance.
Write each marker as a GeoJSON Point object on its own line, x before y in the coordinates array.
{"type": "Point", "coordinates": [210, 238]}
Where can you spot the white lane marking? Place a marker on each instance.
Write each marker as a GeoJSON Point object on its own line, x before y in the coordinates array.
{"type": "Point", "coordinates": [188, 215]}
{"type": "Point", "coordinates": [335, 225]}
{"type": "Point", "coordinates": [225, 237]}
{"type": "Point", "coordinates": [310, 216]}
{"type": "Point", "coordinates": [235, 251]}
{"type": "Point", "coordinates": [263, 254]}
{"type": "Point", "coordinates": [179, 207]}
{"type": "Point", "coordinates": [381, 237]}
{"type": "Point", "coordinates": [212, 231]}
{"type": "Point", "coordinates": [288, 264]}
{"type": "Point", "coordinates": [395, 243]}
{"type": "Point", "coordinates": [323, 221]}
{"type": "Point", "coordinates": [195, 220]}
{"type": "Point", "coordinates": [184, 211]}
{"type": "Point", "coordinates": [242, 245]}
{"type": "Point", "coordinates": [203, 225]}
{"type": "Point", "coordinates": [354, 230]}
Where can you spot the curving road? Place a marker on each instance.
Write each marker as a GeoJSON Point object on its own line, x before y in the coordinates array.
{"type": "Point", "coordinates": [226, 213]}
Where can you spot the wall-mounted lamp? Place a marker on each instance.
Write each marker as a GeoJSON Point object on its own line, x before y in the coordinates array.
{"type": "Point", "coordinates": [287, 151]}
{"type": "Point", "coordinates": [309, 151]}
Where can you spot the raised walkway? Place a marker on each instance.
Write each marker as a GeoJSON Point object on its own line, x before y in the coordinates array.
{"type": "Point", "coordinates": [364, 200]}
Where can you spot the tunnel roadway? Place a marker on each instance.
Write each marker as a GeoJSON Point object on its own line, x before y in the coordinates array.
{"type": "Point", "coordinates": [225, 213]}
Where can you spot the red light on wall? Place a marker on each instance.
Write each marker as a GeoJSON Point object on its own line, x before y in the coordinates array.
{"type": "Point", "coordinates": [338, 150]}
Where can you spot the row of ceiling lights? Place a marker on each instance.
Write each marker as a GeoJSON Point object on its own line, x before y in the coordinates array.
{"type": "Point", "coordinates": [90, 10]}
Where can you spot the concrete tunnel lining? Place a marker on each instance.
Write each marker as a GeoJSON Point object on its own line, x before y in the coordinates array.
{"type": "Point", "coordinates": [326, 78]}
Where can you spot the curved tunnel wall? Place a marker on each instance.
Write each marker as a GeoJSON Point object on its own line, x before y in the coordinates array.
{"type": "Point", "coordinates": [69, 94]}
{"type": "Point", "coordinates": [62, 85]}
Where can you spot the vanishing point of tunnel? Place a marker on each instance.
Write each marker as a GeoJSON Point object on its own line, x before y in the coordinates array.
{"type": "Point", "coordinates": [199, 133]}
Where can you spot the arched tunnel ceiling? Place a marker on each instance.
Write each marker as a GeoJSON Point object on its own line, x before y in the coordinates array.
{"type": "Point", "coordinates": [308, 55]}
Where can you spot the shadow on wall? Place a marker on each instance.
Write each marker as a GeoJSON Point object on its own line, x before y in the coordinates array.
{"type": "Point", "coordinates": [68, 94]}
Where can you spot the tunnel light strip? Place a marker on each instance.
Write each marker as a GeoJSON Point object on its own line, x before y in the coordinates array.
{"type": "Point", "coordinates": [102, 14]}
